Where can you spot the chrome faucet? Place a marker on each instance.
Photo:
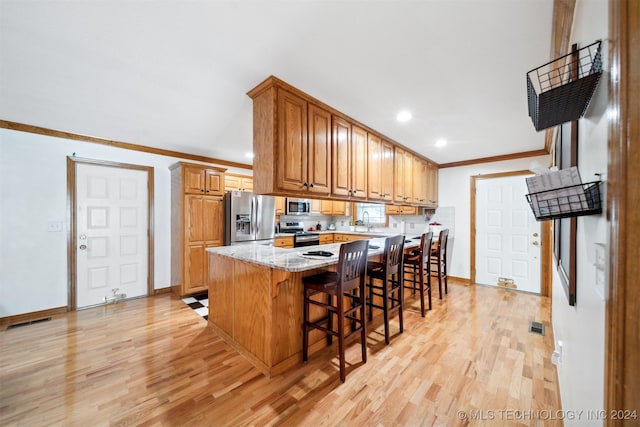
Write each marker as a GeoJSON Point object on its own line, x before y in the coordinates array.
{"type": "Point", "coordinates": [368, 222]}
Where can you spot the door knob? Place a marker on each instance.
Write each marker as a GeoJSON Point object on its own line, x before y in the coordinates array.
{"type": "Point", "coordinates": [536, 243]}
{"type": "Point", "coordinates": [83, 247]}
{"type": "Point", "coordinates": [535, 234]}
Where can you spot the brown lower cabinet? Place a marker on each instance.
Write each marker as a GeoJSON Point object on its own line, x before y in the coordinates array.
{"type": "Point", "coordinates": [283, 242]}
{"type": "Point", "coordinates": [347, 237]}
{"type": "Point", "coordinates": [325, 239]}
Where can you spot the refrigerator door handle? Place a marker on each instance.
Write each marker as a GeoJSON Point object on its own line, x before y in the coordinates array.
{"type": "Point", "coordinates": [258, 220]}
{"type": "Point", "coordinates": [252, 224]}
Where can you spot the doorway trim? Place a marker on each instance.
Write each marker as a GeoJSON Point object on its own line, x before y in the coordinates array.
{"type": "Point", "coordinates": [72, 162]}
{"type": "Point", "coordinates": [545, 235]}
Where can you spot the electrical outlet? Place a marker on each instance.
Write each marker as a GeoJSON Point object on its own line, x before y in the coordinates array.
{"type": "Point", "coordinates": [54, 226]}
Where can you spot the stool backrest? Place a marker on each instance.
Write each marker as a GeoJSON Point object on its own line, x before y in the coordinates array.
{"type": "Point", "coordinates": [442, 243]}
{"type": "Point", "coordinates": [352, 265]}
{"type": "Point", "coordinates": [425, 245]}
{"type": "Point", "coordinates": [393, 254]}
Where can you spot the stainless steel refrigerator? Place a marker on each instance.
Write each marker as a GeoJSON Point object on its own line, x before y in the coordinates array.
{"type": "Point", "coordinates": [249, 218]}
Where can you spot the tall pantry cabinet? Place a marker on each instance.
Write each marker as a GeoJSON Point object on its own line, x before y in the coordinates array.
{"type": "Point", "coordinates": [197, 223]}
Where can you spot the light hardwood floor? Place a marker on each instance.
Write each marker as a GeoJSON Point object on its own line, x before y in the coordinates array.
{"type": "Point", "coordinates": [154, 361]}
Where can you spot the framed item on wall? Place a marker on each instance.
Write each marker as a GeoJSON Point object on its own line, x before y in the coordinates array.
{"type": "Point", "coordinates": [565, 229]}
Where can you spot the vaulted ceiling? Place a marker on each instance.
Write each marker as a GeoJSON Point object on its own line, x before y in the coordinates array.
{"type": "Point", "coordinates": [174, 74]}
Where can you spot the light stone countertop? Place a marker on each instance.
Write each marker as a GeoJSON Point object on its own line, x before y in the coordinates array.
{"type": "Point", "coordinates": [291, 259]}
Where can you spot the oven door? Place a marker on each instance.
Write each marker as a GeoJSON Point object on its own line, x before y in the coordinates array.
{"type": "Point", "coordinates": [306, 240]}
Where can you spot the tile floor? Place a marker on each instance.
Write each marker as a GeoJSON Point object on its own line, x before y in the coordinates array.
{"type": "Point", "coordinates": [199, 303]}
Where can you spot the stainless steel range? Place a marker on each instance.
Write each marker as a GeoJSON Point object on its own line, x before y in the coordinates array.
{"type": "Point", "coordinates": [300, 237]}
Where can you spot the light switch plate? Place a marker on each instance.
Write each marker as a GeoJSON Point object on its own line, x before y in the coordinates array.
{"type": "Point", "coordinates": [600, 255]}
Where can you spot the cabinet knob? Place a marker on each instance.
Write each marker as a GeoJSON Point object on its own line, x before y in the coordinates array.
{"type": "Point", "coordinates": [202, 190]}
{"type": "Point", "coordinates": [305, 184]}
{"type": "Point", "coordinates": [311, 185]}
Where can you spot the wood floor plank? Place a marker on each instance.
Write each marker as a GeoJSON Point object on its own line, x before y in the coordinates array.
{"type": "Point", "coordinates": [154, 362]}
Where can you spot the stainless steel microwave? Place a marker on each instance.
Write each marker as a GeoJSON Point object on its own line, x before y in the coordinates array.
{"type": "Point", "coordinates": [298, 206]}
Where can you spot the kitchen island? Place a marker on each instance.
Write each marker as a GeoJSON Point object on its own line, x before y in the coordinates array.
{"type": "Point", "coordinates": [255, 299]}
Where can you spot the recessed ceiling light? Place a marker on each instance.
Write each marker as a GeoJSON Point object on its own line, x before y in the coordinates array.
{"type": "Point", "coordinates": [403, 116]}
{"type": "Point", "coordinates": [249, 155]}
{"type": "Point", "coordinates": [441, 142]}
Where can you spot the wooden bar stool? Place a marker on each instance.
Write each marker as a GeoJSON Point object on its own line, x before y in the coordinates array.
{"type": "Point", "coordinates": [415, 264]}
{"type": "Point", "coordinates": [389, 273]}
{"type": "Point", "coordinates": [348, 283]}
{"type": "Point", "coordinates": [439, 261]}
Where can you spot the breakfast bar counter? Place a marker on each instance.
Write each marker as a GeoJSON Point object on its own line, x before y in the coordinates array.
{"type": "Point", "coordinates": [255, 299]}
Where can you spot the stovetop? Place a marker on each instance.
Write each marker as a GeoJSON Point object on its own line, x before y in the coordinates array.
{"type": "Point", "coordinates": [305, 233]}
{"type": "Point", "coordinates": [292, 227]}
{"type": "Point", "coordinates": [298, 232]}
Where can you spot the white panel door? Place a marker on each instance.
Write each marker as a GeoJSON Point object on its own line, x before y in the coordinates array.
{"type": "Point", "coordinates": [507, 235]}
{"type": "Point", "coordinates": [112, 227]}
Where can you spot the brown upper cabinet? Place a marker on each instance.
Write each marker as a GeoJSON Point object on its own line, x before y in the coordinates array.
{"type": "Point", "coordinates": [238, 182]}
{"type": "Point", "coordinates": [305, 148]}
{"type": "Point", "coordinates": [374, 145]}
{"type": "Point", "coordinates": [419, 181]}
{"type": "Point", "coordinates": [358, 163]}
{"type": "Point", "coordinates": [380, 167]}
{"type": "Point", "coordinates": [403, 177]}
{"type": "Point", "coordinates": [280, 205]}
{"type": "Point", "coordinates": [292, 144]}
{"type": "Point", "coordinates": [316, 207]}
{"type": "Point", "coordinates": [400, 210]}
{"type": "Point", "coordinates": [203, 179]}
{"type": "Point", "coordinates": [349, 160]}
{"type": "Point", "coordinates": [432, 184]}
{"type": "Point", "coordinates": [333, 207]}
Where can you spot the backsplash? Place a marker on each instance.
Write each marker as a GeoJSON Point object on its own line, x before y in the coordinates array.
{"type": "Point", "coordinates": [419, 224]}
{"type": "Point", "coordinates": [341, 223]}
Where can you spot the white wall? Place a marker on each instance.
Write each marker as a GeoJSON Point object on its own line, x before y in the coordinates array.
{"type": "Point", "coordinates": [33, 191]}
{"type": "Point", "coordinates": [454, 189]}
{"type": "Point", "coordinates": [581, 328]}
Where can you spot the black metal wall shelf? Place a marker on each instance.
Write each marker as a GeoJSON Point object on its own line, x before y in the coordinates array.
{"type": "Point", "coordinates": [570, 201]}
{"type": "Point", "coordinates": [559, 91]}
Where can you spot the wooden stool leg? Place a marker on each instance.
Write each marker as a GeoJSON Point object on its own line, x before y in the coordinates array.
{"type": "Point", "coordinates": [329, 321]}
{"type": "Point", "coordinates": [421, 272]}
{"type": "Point", "coordinates": [439, 277]}
{"type": "Point", "coordinates": [305, 328]}
{"type": "Point", "coordinates": [363, 332]}
{"type": "Point", "coordinates": [340, 308]}
{"type": "Point", "coordinates": [385, 304]}
{"type": "Point", "coordinates": [370, 298]}
{"type": "Point", "coordinates": [429, 284]}
{"type": "Point", "coordinates": [444, 269]}
{"type": "Point", "coordinates": [400, 301]}
{"type": "Point", "coordinates": [413, 281]}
